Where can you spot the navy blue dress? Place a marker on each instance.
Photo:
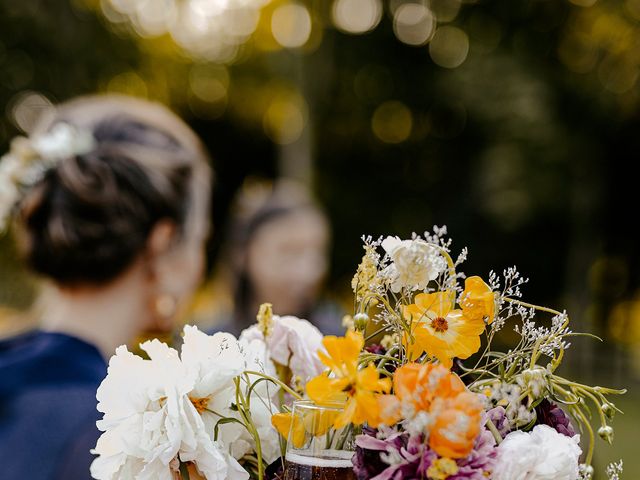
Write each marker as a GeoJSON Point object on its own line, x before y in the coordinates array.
{"type": "Point", "coordinates": [48, 384]}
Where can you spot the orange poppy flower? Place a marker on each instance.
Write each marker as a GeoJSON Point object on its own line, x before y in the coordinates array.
{"type": "Point", "coordinates": [478, 301]}
{"type": "Point", "coordinates": [441, 331]}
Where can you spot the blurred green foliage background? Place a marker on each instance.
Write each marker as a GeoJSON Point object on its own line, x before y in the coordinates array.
{"type": "Point", "coordinates": [515, 123]}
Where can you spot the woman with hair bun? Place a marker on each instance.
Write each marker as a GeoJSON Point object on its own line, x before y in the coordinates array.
{"type": "Point", "coordinates": [110, 200]}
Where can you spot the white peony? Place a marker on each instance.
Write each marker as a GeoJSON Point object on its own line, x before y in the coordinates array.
{"type": "Point", "coordinates": [213, 361]}
{"type": "Point", "coordinates": [542, 454]}
{"type": "Point", "coordinates": [263, 397]}
{"type": "Point", "coordinates": [415, 263]}
{"type": "Point", "coordinates": [292, 342]}
{"type": "Point", "coordinates": [163, 408]}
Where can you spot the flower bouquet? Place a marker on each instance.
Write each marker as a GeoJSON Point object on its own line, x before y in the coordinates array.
{"type": "Point", "coordinates": [414, 390]}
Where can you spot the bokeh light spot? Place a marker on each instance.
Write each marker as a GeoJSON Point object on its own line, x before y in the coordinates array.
{"type": "Point", "coordinates": [209, 83]}
{"type": "Point", "coordinates": [449, 47]}
{"type": "Point", "coordinates": [284, 119]}
{"type": "Point", "coordinates": [129, 83]}
{"type": "Point", "coordinates": [413, 24]}
{"type": "Point", "coordinates": [291, 25]}
{"type": "Point", "coordinates": [445, 10]}
{"type": "Point", "coordinates": [26, 108]}
{"type": "Point", "coordinates": [392, 122]}
{"type": "Point", "coordinates": [356, 16]}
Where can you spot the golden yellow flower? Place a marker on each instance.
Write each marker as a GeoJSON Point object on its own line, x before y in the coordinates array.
{"type": "Point", "coordinates": [318, 422]}
{"type": "Point", "coordinates": [357, 389]}
{"type": "Point", "coordinates": [478, 301]}
{"type": "Point", "coordinates": [315, 422]}
{"type": "Point", "coordinates": [285, 423]}
{"type": "Point", "coordinates": [442, 468]}
{"type": "Point", "coordinates": [440, 330]}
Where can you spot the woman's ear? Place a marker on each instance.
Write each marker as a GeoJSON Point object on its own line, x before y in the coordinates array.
{"type": "Point", "coordinates": [161, 237]}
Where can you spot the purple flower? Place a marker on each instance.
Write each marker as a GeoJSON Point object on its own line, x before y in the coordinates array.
{"type": "Point", "coordinates": [367, 462]}
{"type": "Point", "coordinates": [480, 461]}
{"type": "Point", "coordinates": [551, 414]}
{"type": "Point", "coordinates": [376, 348]}
{"type": "Point", "coordinates": [391, 454]}
{"type": "Point", "coordinates": [498, 415]}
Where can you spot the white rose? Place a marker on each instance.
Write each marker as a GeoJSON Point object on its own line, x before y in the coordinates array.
{"type": "Point", "coordinates": [542, 454]}
{"type": "Point", "coordinates": [415, 263]}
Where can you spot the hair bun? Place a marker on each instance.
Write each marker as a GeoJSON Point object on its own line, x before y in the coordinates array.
{"type": "Point", "coordinates": [90, 216]}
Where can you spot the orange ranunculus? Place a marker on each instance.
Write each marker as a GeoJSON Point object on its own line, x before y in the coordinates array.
{"type": "Point", "coordinates": [440, 330]}
{"type": "Point", "coordinates": [478, 301]}
{"type": "Point", "coordinates": [359, 389]}
{"type": "Point", "coordinates": [418, 385]}
{"type": "Point", "coordinates": [457, 424]}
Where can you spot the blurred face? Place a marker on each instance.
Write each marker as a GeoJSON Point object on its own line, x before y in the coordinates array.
{"type": "Point", "coordinates": [178, 267]}
{"type": "Point", "coordinates": [287, 261]}
{"type": "Point", "coordinates": [188, 266]}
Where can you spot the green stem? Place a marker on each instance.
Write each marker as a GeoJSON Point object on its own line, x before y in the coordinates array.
{"type": "Point", "coordinates": [592, 437]}
{"type": "Point", "coordinates": [371, 335]}
{"type": "Point", "coordinates": [494, 431]}
{"type": "Point", "coordinates": [277, 381]}
{"type": "Point", "coordinates": [603, 420]}
{"type": "Point", "coordinates": [531, 305]}
{"type": "Point", "coordinates": [244, 410]}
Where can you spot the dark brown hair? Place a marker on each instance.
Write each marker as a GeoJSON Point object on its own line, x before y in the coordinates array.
{"type": "Point", "coordinates": [90, 216]}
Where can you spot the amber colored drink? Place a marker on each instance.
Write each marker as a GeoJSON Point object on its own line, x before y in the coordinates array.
{"type": "Point", "coordinates": [329, 465]}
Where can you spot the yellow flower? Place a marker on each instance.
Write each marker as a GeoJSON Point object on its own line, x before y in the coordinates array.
{"type": "Point", "coordinates": [318, 422]}
{"type": "Point", "coordinates": [478, 300]}
{"type": "Point", "coordinates": [442, 468]}
{"type": "Point", "coordinates": [441, 331]}
{"type": "Point", "coordinates": [285, 423]}
{"type": "Point", "coordinates": [357, 389]}
{"type": "Point", "coordinates": [315, 422]}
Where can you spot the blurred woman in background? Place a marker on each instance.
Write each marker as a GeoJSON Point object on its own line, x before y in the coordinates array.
{"type": "Point", "coordinates": [277, 252]}
{"type": "Point", "coordinates": [115, 218]}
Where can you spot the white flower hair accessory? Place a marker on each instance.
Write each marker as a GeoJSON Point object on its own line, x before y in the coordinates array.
{"type": "Point", "coordinates": [29, 158]}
